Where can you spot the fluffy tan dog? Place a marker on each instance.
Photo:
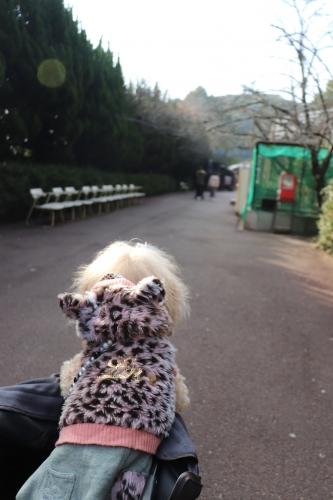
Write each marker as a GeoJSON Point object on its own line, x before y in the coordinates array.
{"type": "Point", "coordinates": [134, 261]}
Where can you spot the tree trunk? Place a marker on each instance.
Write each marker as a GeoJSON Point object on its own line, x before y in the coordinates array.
{"type": "Point", "coordinates": [319, 170]}
{"type": "Point", "coordinates": [319, 185]}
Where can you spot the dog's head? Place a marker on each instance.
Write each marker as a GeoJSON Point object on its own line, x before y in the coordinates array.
{"type": "Point", "coordinates": [114, 309]}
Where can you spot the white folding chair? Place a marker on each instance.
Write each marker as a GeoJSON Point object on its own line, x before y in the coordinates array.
{"type": "Point", "coordinates": [37, 194]}
{"type": "Point", "coordinates": [58, 193]}
{"type": "Point", "coordinates": [70, 192]}
{"type": "Point", "coordinates": [87, 200]}
{"type": "Point", "coordinates": [100, 200]}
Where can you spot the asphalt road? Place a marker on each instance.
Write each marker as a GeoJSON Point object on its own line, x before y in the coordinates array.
{"type": "Point", "coordinates": [257, 351]}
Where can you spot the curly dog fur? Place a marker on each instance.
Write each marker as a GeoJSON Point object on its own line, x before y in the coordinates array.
{"type": "Point", "coordinates": [134, 261]}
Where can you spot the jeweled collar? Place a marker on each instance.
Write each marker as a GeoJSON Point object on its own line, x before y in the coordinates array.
{"type": "Point", "coordinates": [87, 364]}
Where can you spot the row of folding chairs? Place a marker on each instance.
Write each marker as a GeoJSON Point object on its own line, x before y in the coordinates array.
{"type": "Point", "coordinates": [89, 199]}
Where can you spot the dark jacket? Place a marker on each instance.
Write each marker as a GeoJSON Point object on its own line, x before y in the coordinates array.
{"type": "Point", "coordinates": [200, 178]}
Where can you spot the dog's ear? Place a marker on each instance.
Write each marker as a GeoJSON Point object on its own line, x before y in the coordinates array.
{"type": "Point", "coordinates": [72, 303]}
{"type": "Point", "coordinates": [150, 289]}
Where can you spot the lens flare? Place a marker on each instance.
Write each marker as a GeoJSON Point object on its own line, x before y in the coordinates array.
{"type": "Point", "coordinates": [51, 73]}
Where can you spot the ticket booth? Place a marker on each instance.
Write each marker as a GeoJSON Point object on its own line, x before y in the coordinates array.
{"type": "Point", "coordinates": [287, 188]}
{"type": "Point", "coordinates": [285, 194]}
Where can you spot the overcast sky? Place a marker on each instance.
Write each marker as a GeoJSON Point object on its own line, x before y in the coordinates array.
{"type": "Point", "coordinates": [182, 44]}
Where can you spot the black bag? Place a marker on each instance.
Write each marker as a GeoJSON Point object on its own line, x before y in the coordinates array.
{"type": "Point", "coordinates": [174, 473]}
{"type": "Point", "coordinates": [172, 480]}
{"type": "Point", "coordinates": [29, 415]}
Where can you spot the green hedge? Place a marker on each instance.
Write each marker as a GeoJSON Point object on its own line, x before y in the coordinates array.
{"type": "Point", "coordinates": [17, 178]}
{"type": "Point", "coordinates": [325, 222]}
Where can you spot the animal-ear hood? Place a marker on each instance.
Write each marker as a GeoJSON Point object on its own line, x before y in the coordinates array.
{"type": "Point", "coordinates": [117, 309]}
{"type": "Point", "coordinates": [72, 303]}
{"type": "Point", "coordinates": [150, 289]}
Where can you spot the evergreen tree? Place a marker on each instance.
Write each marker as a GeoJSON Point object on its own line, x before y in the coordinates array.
{"type": "Point", "coordinates": [62, 100]}
{"type": "Point", "coordinates": [104, 138]}
{"type": "Point", "coordinates": [81, 119]}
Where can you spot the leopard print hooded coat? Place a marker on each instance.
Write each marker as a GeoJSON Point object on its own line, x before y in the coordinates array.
{"type": "Point", "coordinates": [131, 383]}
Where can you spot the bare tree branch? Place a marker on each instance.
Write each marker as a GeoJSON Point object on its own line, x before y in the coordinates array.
{"type": "Point", "coordinates": [306, 116]}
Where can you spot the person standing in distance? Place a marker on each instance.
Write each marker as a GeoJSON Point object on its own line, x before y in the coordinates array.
{"type": "Point", "coordinates": [213, 183]}
{"type": "Point", "coordinates": [200, 181]}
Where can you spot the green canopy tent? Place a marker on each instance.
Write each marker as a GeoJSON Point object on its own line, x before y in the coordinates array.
{"type": "Point", "coordinates": [269, 160]}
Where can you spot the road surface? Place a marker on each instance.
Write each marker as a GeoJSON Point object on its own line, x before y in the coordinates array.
{"type": "Point", "coordinates": [257, 351]}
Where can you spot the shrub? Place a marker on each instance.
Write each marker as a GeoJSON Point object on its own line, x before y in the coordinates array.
{"type": "Point", "coordinates": [17, 178]}
{"type": "Point", "coordinates": [325, 222]}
